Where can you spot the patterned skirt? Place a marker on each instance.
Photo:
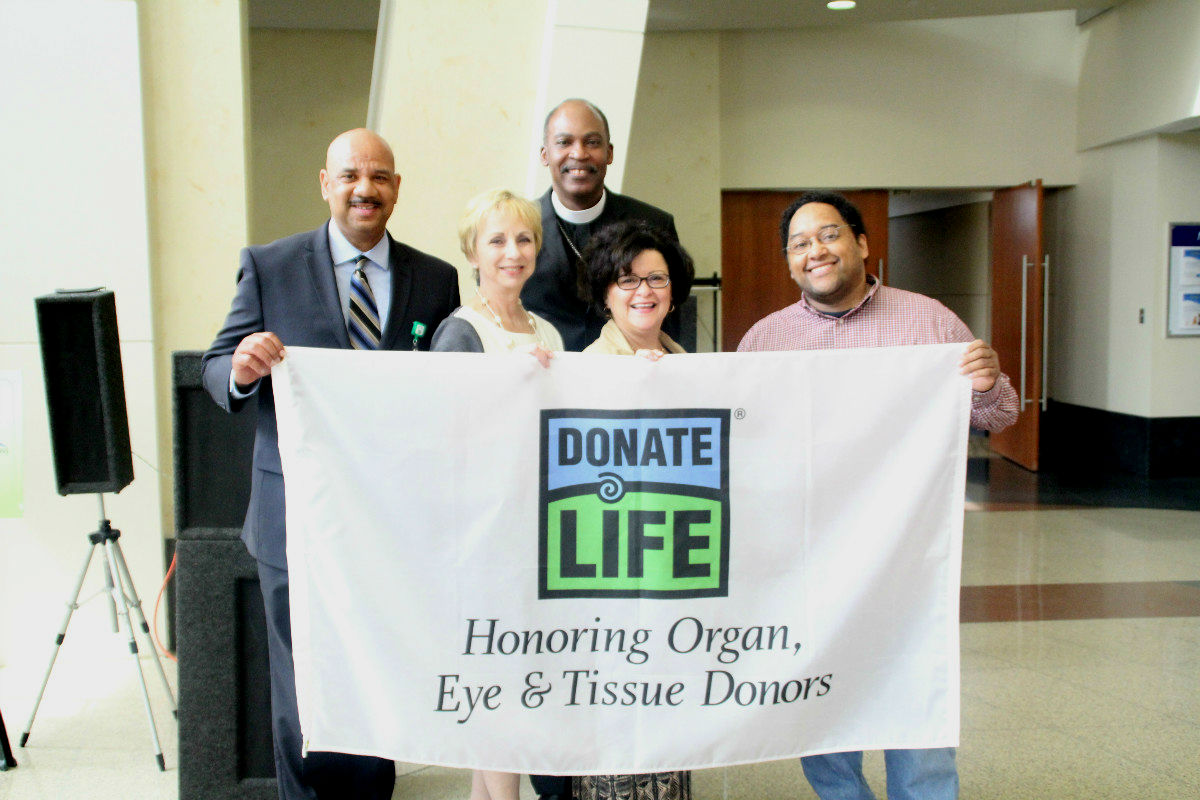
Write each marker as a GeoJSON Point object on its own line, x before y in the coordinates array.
{"type": "Point", "coordinates": [650, 786]}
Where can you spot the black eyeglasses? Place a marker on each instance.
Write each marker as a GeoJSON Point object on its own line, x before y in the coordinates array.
{"type": "Point", "coordinates": [656, 280]}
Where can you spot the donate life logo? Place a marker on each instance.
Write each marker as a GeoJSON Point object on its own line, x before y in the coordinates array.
{"type": "Point", "coordinates": [634, 503]}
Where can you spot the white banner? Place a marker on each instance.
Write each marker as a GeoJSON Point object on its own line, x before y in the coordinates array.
{"type": "Point", "coordinates": [617, 566]}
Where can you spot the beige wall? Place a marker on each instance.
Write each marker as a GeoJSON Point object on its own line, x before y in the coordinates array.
{"type": "Point", "coordinates": [1111, 265]}
{"type": "Point", "coordinates": [306, 87]}
{"type": "Point", "coordinates": [456, 102]}
{"type": "Point", "coordinates": [463, 106]}
{"type": "Point", "coordinates": [673, 156]}
{"type": "Point", "coordinates": [1141, 71]}
{"type": "Point", "coordinates": [613, 27]}
{"type": "Point", "coordinates": [983, 101]}
{"type": "Point", "coordinates": [193, 60]}
{"type": "Point", "coordinates": [1175, 361]}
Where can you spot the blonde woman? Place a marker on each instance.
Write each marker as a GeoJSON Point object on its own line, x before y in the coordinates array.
{"type": "Point", "coordinates": [500, 234]}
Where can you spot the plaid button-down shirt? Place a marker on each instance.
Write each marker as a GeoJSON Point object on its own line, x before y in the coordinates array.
{"type": "Point", "coordinates": [886, 317]}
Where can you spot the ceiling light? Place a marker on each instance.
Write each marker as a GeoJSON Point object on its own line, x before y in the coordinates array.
{"type": "Point", "coordinates": [840, 5]}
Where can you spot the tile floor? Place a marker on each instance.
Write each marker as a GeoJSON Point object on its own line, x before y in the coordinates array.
{"type": "Point", "coordinates": [1102, 704]}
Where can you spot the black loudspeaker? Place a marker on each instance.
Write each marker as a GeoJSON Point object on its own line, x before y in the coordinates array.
{"type": "Point", "coordinates": [85, 391]}
{"type": "Point", "coordinates": [225, 744]}
{"type": "Point", "coordinates": [214, 453]}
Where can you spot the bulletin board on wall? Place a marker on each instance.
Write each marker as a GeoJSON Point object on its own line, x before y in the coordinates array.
{"type": "Point", "coordinates": [1183, 294]}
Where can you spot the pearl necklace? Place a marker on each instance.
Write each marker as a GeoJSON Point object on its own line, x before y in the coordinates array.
{"type": "Point", "coordinates": [496, 318]}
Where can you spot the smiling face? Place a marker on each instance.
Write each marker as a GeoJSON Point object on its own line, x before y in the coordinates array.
{"type": "Point", "coordinates": [505, 254]}
{"type": "Point", "coordinates": [577, 151]}
{"type": "Point", "coordinates": [833, 275]}
{"type": "Point", "coordinates": [639, 313]}
{"type": "Point", "coordinates": [360, 184]}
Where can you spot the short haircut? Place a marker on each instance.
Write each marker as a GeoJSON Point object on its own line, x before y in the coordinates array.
{"type": "Point", "coordinates": [505, 202]}
{"type": "Point", "coordinates": [591, 107]}
{"type": "Point", "coordinates": [848, 210]}
{"type": "Point", "coordinates": [610, 253]}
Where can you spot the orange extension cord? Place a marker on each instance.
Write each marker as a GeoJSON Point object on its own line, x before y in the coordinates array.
{"type": "Point", "coordinates": [154, 628]}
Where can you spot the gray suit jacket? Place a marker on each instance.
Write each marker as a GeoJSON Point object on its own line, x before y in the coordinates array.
{"type": "Point", "coordinates": [287, 287]}
{"type": "Point", "coordinates": [552, 291]}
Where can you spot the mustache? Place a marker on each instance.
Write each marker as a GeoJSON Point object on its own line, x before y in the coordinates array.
{"type": "Point", "coordinates": [355, 199]}
{"type": "Point", "coordinates": [589, 167]}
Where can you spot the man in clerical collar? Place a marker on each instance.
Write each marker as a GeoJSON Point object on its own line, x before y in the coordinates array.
{"type": "Point", "coordinates": [577, 149]}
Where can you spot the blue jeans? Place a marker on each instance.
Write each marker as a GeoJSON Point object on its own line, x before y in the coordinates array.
{"type": "Point", "coordinates": [911, 775]}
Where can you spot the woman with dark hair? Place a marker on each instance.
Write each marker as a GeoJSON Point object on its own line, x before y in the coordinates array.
{"type": "Point", "coordinates": [635, 274]}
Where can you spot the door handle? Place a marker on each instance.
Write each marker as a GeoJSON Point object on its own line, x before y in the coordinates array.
{"type": "Point", "coordinates": [1024, 323]}
{"type": "Point", "coordinates": [1045, 324]}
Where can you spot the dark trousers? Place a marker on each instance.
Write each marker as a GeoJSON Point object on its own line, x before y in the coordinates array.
{"type": "Point", "coordinates": [548, 786]}
{"type": "Point", "coordinates": [321, 775]}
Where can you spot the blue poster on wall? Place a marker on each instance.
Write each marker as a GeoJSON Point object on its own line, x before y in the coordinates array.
{"type": "Point", "coordinates": [1183, 304]}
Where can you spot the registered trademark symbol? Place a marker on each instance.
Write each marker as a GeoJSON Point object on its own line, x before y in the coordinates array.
{"type": "Point", "coordinates": [739, 413]}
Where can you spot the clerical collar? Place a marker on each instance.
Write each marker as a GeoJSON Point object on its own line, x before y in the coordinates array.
{"type": "Point", "coordinates": [578, 217]}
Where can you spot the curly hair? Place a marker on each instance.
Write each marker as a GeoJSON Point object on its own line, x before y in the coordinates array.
{"type": "Point", "coordinates": [848, 210]}
{"type": "Point", "coordinates": [610, 253]}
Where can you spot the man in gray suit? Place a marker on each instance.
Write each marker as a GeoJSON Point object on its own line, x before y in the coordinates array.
{"type": "Point", "coordinates": [345, 284]}
{"type": "Point", "coordinates": [577, 149]}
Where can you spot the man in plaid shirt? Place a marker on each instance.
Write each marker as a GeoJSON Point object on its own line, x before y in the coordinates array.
{"type": "Point", "coordinates": [825, 243]}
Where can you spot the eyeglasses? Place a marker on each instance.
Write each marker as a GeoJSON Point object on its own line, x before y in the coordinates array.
{"type": "Point", "coordinates": [827, 235]}
{"type": "Point", "coordinates": [655, 280]}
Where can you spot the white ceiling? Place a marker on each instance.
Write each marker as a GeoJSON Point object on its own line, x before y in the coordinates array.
{"type": "Point", "coordinates": [683, 15]}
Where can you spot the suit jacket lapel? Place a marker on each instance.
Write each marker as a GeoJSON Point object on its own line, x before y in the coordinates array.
{"type": "Point", "coordinates": [320, 272]}
{"type": "Point", "coordinates": [402, 278]}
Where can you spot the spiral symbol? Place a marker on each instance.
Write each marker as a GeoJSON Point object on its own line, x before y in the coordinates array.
{"type": "Point", "coordinates": [611, 487]}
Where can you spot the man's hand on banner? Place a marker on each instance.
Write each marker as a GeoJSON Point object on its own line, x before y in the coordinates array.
{"type": "Point", "coordinates": [981, 364]}
{"type": "Point", "coordinates": [254, 357]}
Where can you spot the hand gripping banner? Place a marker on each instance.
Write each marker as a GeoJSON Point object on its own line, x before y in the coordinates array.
{"type": "Point", "coordinates": [618, 566]}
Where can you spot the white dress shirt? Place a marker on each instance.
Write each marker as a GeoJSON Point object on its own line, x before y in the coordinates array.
{"type": "Point", "coordinates": [344, 256]}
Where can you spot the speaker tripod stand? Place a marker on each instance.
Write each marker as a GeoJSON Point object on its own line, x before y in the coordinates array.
{"type": "Point", "coordinates": [123, 600]}
{"type": "Point", "coordinates": [7, 761]}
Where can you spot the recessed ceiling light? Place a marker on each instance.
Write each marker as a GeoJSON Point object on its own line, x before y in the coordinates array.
{"type": "Point", "coordinates": [840, 5]}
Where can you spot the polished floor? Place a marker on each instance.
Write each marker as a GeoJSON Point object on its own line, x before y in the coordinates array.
{"type": "Point", "coordinates": [1080, 663]}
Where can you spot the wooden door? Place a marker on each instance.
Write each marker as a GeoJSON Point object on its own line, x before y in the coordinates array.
{"type": "Point", "coordinates": [1018, 275]}
{"type": "Point", "coordinates": [754, 273]}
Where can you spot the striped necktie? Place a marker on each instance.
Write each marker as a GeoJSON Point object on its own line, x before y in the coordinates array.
{"type": "Point", "coordinates": [363, 323]}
